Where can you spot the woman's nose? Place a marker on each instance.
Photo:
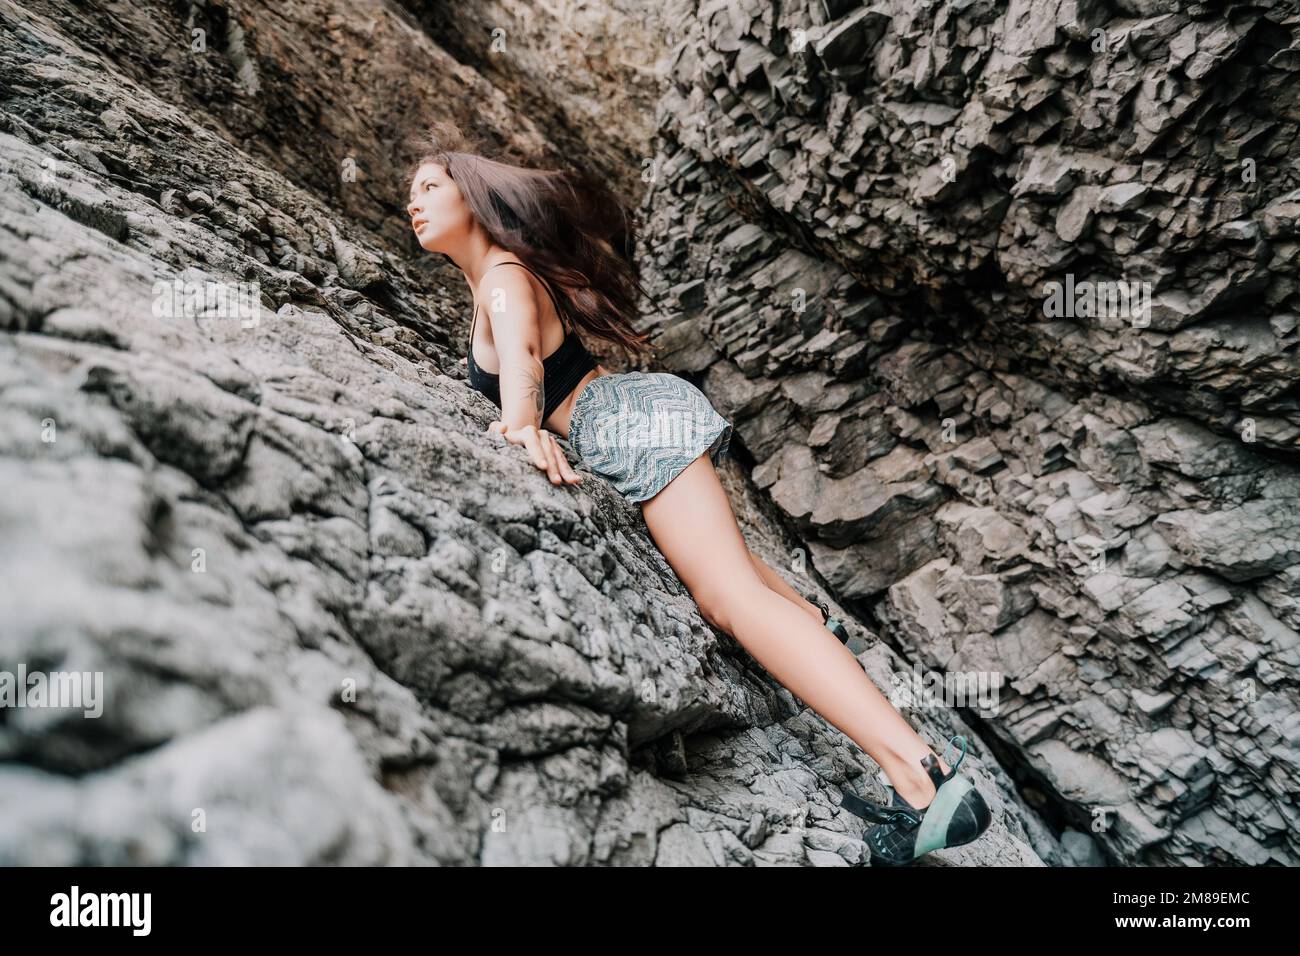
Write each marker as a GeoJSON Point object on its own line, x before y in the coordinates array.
{"type": "Point", "coordinates": [412, 208]}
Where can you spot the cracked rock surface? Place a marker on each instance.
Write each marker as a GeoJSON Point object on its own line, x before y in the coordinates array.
{"type": "Point", "coordinates": [337, 625]}
{"type": "Point", "coordinates": [859, 217]}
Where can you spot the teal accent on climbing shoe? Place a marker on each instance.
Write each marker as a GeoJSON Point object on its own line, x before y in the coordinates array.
{"type": "Point", "coordinates": [933, 832]}
{"type": "Point", "coordinates": [952, 767]}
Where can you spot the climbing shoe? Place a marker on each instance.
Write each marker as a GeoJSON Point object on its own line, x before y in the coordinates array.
{"type": "Point", "coordinates": [957, 815]}
{"type": "Point", "coordinates": [833, 624]}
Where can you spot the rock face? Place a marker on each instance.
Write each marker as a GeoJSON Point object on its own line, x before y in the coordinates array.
{"type": "Point", "coordinates": [246, 486]}
{"type": "Point", "coordinates": [1003, 298]}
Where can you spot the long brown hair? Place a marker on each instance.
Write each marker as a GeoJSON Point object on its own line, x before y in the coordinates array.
{"type": "Point", "coordinates": [566, 225]}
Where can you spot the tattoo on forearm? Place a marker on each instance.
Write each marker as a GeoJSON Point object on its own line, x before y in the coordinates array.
{"type": "Point", "coordinates": [534, 391]}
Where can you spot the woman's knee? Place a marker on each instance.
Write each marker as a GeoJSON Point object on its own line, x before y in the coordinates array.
{"type": "Point", "coordinates": [713, 609]}
{"type": "Point", "coordinates": [720, 605]}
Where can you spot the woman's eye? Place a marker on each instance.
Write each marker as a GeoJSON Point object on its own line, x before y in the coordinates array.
{"type": "Point", "coordinates": [428, 185]}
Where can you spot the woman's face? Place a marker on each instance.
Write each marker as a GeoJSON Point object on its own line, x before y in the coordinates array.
{"type": "Point", "coordinates": [439, 215]}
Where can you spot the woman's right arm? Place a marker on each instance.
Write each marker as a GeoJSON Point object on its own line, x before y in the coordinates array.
{"type": "Point", "coordinates": [510, 303]}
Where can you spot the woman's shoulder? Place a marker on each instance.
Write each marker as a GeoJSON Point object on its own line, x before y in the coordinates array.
{"type": "Point", "coordinates": [513, 300]}
{"type": "Point", "coordinates": [499, 286]}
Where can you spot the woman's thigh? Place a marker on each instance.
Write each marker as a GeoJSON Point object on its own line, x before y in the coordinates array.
{"type": "Point", "coordinates": [692, 523]}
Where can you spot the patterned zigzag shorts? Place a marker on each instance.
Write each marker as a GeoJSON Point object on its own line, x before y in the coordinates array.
{"type": "Point", "coordinates": [639, 430]}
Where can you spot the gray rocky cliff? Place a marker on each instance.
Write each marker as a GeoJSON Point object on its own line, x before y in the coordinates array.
{"type": "Point", "coordinates": [338, 625]}
{"type": "Point", "coordinates": [858, 214]}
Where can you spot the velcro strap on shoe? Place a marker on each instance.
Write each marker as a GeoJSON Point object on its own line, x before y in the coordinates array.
{"type": "Point", "coordinates": [878, 813]}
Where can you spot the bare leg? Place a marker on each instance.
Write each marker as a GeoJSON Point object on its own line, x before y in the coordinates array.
{"type": "Point", "coordinates": [772, 578]}
{"type": "Point", "coordinates": [693, 525]}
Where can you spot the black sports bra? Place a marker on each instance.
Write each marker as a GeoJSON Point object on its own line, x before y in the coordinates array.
{"type": "Point", "coordinates": [562, 370]}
